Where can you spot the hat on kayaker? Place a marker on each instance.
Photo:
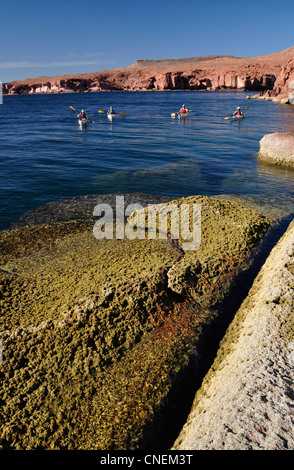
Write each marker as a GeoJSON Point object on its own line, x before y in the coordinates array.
{"type": "Point", "coordinates": [82, 111]}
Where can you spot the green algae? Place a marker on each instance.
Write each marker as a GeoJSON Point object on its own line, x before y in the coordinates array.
{"type": "Point", "coordinates": [95, 333]}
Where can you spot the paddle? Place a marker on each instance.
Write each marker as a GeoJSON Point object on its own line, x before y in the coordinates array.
{"type": "Point", "coordinates": [77, 112]}
{"type": "Point", "coordinates": [100, 111]}
{"type": "Point", "coordinates": [173, 114]}
{"type": "Point", "coordinates": [229, 117]}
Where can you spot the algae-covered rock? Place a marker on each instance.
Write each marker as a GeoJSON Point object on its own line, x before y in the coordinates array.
{"type": "Point", "coordinates": [95, 332]}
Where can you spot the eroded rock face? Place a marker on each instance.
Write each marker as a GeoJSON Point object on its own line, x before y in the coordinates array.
{"type": "Point", "coordinates": [283, 89]}
{"type": "Point", "coordinates": [284, 86]}
{"type": "Point", "coordinates": [196, 73]}
{"type": "Point", "coordinates": [147, 80]}
{"type": "Point", "coordinates": [278, 149]}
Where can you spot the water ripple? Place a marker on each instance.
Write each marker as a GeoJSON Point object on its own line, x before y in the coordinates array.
{"type": "Point", "coordinates": [46, 156]}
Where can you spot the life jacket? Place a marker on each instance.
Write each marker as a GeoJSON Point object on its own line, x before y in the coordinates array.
{"type": "Point", "coordinates": [183, 111]}
{"type": "Point", "coordinates": [238, 112]}
{"type": "Point", "coordinates": [83, 116]}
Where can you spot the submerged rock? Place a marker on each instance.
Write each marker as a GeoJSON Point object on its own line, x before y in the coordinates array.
{"type": "Point", "coordinates": [96, 332]}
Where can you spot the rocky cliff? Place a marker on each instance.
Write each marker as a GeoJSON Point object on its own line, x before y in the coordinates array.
{"type": "Point", "coordinates": [194, 73]}
{"type": "Point", "coordinates": [284, 86]}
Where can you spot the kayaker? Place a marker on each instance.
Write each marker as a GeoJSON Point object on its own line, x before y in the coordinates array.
{"type": "Point", "coordinates": [183, 110]}
{"type": "Point", "coordinates": [238, 112]}
{"type": "Point", "coordinates": [111, 111]}
{"type": "Point", "coordinates": [82, 115]}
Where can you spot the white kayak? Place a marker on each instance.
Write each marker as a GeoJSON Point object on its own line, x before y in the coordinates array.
{"type": "Point", "coordinates": [237, 117]}
{"type": "Point", "coordinates": [83, 122]}
{"type": "Point", "coordinates": [182, 115]}
{"type": "Point", "coordinates": [111, 116]}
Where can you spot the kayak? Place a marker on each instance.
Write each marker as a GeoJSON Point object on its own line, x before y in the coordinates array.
{"type": "Point", "coordinates": [84, 122]}
{"type": "Point", "coordinates": [182, 115]}
{"type": "Point", "coordinates": [111, 116]}
{"type": "Point", "coordinates": [237, 118]}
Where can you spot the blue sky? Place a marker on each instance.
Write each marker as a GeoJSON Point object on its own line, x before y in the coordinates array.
{"type": "Point", "coordinates": [67, 37]}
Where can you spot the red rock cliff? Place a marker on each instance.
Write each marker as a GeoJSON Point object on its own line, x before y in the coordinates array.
{"type": "Point", "coordinates": [284, 85]}
{"type": "Point", "coordinates": [195, 73]}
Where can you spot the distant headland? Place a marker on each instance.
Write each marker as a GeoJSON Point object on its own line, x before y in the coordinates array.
{"type": "Point", "coordinates": [269, 74]}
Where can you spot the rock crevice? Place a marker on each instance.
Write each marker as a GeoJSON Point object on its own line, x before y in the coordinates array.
{"type": "Point", "coordinates": [246, 399]}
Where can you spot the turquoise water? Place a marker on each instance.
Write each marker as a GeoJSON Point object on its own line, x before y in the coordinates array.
{"type": "Point", "coordinates": [45, 156]}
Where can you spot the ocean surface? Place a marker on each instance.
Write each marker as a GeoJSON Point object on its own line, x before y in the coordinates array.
{"type": "Point", "coordinates": [45, 156]}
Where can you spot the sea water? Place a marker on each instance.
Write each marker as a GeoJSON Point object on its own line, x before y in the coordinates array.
{"type": "Point", "coordinates": [45, 156]}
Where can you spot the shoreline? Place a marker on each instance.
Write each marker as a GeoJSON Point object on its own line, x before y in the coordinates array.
{"type": "Point", "coordinates": [272, 75]}
{"type": "Point", "coordinates": [171, 90]}
{"type": "Point", "coordinates": [264, 95]}
{"type": "Point", "coordinates": [57, 294]}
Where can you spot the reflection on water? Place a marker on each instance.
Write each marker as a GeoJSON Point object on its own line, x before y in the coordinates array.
{"type": "Point", "coordinates": [45, 156]}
